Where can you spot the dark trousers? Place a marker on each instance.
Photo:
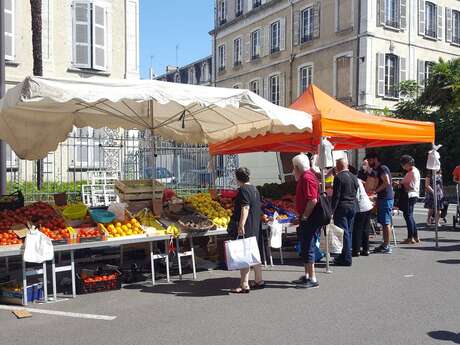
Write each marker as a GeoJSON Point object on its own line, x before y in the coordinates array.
{"type": "Point", "coordinates": [307, 232]}
{"type": "Point", "coordinates": [410, 221]}
{"type": "Point", "coordinates": [361, 227]}
{"type": "Point", "coordinates": [343, 218]}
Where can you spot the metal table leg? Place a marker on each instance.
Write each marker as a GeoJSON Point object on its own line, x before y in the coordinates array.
{"type": "Point", "coordinates": [167, 261]}
{"type": "Point", "coordinates": [7, 264]}
{"type": "Point", "coordinates": [53, 273]}
{"type": "Point", "coordinates": [152, 263]}
{"type": "Point", "coordinates": [121, 255]}
{"type": "Point", "coordinates": [45, 283]}
{"type": "Point", "coordinates": [178, 258]}
{"type": "Point", "coordinates": [24, 283]}
{"type": "Point", "coordinates": [193, 257]}
{"type": "Point", "coordinates": [72, 270]}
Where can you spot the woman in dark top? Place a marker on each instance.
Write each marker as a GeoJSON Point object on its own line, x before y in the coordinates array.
{"type": "Point", "coordinates": [245, 222]}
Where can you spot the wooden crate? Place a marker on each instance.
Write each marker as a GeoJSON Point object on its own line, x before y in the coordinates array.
{"type": "Point", "coordinates": [139, 190]}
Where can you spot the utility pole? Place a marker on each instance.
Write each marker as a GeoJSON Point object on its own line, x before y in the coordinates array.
{"type": "Point", "coordinates": [2, 93]}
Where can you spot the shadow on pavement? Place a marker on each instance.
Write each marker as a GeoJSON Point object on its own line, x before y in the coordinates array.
{"type": "Point", "coordinates": [445, 336]}
{"type": "Point", "coordinates": [453, 248]}
{"type": "Point", "coordinates": [450, 261]}
{"type": "Point", "coordinates": [440, 240]}
{"type": "Point", "coordinates": [201, 288]}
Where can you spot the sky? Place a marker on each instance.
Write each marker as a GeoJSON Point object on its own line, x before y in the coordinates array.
{"type": "Point", "coordinates": [163, 24]}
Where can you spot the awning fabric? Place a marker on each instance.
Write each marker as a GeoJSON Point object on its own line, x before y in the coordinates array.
{"type": "Point", "coordinates": [346, 128]}
{"type": "Point", "coordinates": [39, 113]}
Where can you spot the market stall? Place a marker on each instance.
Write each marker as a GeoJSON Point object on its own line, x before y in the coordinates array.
{"type": "Point", "coordinates": [346, 128]}
{"type": "Point", "coordinates": [39, 113]}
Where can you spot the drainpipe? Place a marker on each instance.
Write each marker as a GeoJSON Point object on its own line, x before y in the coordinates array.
{"type": "Point", "coordinates": [291, 54]}
{"type": "Point", "coordinates": [214, 48]}
{"type": "Point", "coordinates": [358, 47]}
{"type": "Point", "coordinates": [2, 93]}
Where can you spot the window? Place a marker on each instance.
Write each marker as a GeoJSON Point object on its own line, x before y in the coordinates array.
{"type": "Point", "coordinates": [254, 86]}
{"type": "Point", "coordinates": [274, 84]}
{"type": "Point", "coordinates": [256, 3]}
{"type": "Point", "coordinates": [305, 78]}
{"type": "Point", "coordinates": [343, 77]}
{"type": "Point", "coordinates": [392, 13]}
{"type": "Point", "coordinates": [238, 8]}
{"type": "Point", "coordinates": [430, 19]}
{"type": "Point", "coordinates": [237, 52]}
{"type": "Point", "coordinates": [87, 150]}
{"type": "Point", "coordinates": [275, 35]}
{"type": "Point", "coordinates": [222, 12]}
{"type": "Point", "coordinates": [9, 29]}
{"type": "Point", "coordinates": [221, 57]}
{"type": "Point", "coordinates": [307, 18]}
{"type": "Point", "coordinates": [456, 27]}
{"type": "Point", "coordinates": [90, 35]}
{"type": "Point", "coordinates": [428, 67]}
{"type": "Point", "coordinates": [391, 76]}
{"type": "Point", "coordinates": [255, 44]}
{"type": "Point", "coordinates": [191, 75]}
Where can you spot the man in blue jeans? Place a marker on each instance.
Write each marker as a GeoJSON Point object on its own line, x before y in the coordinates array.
{"type": "Point", "coordinates": [385, 199]}
{"type": "Point", "coordinates": [344, 205]}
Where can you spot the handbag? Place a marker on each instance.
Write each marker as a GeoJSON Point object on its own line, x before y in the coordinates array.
{"type": "Point", "coordinates": [242, 253]}
{"type": "Point", "coordinates": [322, 212]}
{"type": "Point", "coordinates": [334, 234]}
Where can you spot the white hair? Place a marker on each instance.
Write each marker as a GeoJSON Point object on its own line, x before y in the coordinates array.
{"type": "Point", "coordinates": [301, 162]}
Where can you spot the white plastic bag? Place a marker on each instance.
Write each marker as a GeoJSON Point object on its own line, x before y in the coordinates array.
{"type": "Point", "coordinates": [276, 232]}
{"type": "Point", "coordinates": [325, 158]}
{"type": "Point", "coordinates": [119, 208]}
{"type": "Point", "coordinates": [433, 162]}
{"type": "Point", "coordinates": [335, 236]}
{"type": "Point", "coordinates": [242, 253]}
{"type": "Point", "coordinates": [38, 247]}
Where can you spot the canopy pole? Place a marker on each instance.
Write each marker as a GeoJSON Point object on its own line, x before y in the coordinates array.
{"type": "Point", "coordinates": [153, 154]}
{"type": "Point", "coordinates": [323, 190]}
{"type": "Point", "coordinates": [435, 209]}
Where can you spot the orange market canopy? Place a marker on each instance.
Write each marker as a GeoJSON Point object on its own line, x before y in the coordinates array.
{"type": "Point", "coordinates": [345, 127]}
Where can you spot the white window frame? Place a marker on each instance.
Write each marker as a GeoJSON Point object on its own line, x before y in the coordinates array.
{"type": "Point", "coordinates": [435, 27]}
{"type": "Point", "coordinates": [256, 44]}
{"type": "Point", "coordinates": [277, 98]}
{"type": "Point", "coordinates": [237, 55]}
{"type": "Point", "coordinates": [392, 22]}
{"type": "Point", "coordinates": [239, 5]}
{"type": "Point", "coordinates": [456, 27]}
{"type": "Point", "coordinates": [336, 57]}
{"type": "Point", "coordinates": [221, 57]}
{"type": "Point", "coordinates": [222, 11]}
{"type": "Point", "coordinates": [388, 76]}
{"type": "Point", "coordinates": [256, 82]}
{"type": "Point", "coordinates": [275, 37]}
{"type": "Point", "coordinates": [307, 66]}
{"type": "Point", "coordinates": [307, 29]}
{"type": "Point", "coordinates": [428, 66]}
{"type": "Point", "coordinates": [11, 34]}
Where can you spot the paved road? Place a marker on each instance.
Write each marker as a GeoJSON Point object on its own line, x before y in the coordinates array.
{"type": "Point", "coordinates": [408, 298]}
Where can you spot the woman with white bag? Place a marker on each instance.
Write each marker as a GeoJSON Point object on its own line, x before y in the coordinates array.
{"type": "Point", "coordinates": [245, 223]}
{"type": "Point", "coordinates": [362, 222]}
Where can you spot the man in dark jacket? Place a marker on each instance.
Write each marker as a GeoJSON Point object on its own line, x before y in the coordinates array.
{"type": "Point", "coordinates": [344, 204]}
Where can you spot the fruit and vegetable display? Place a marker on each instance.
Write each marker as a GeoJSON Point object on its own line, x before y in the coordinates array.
{"type": "Point", "coordinates": [173, 230]}
{"type": "Point", "coordinates": [56, 235]}
{"type": "Point", "coordinates": [130, 227]}
{"type": "Point", "coordinates": [147, 218]}
{"type": "Point", "coordinates": [98, 281]}
{"type": "Point", "coordinates": [204, 204]}
{"type": "Point", "coordinates": [38, 213]}
{"type": "Point", "coordinates": [8, 237]}
{"type": "Point", "coordinates": [277, 190]}
{"type": "Point", "coordinates": [89, 234]}
{"type": "Point", "coordinates": [196, 222]}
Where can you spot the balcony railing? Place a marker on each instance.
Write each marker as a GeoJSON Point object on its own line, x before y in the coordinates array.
{"type": "Point", "coordinates": [430, 32]}
{"type": "Point", "coordinates": [392, 23]}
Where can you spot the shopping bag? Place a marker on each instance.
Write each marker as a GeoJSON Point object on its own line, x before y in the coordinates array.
{"type": "Point", "coordinates": [276, 232]}
{"type": "Point", "coordinates": [38, 247]}
{"type": "Point", "coordinates": [242, 253]}
{"type": "Point", "coordinates": [119, 209]}
{"type": "Point", "coordinates": [335, 237]}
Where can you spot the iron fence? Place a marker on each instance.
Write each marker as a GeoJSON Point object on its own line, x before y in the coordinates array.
{"type": "Point", "coordinates": [127, 155]}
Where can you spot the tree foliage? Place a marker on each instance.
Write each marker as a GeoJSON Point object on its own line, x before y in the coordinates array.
{"type": "Point", "coordinates": [439, 102]}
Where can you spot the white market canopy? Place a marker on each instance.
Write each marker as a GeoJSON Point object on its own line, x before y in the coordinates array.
{"type": "Point", "coordinates": [39, 113]}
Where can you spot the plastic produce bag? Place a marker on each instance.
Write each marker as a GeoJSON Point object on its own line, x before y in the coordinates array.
{"type": "Point", "coordinates": [242, 253]}
{"type": "Point", "coordinates": [119, 208]}
{"type": "Point", "coordinates": [433, 162]}
{"type": "Point", "coordinates": [335, 236]}
{"type": "Point", "coordinates": [276, 232]}
{"type": "Point", "coordinates": [325, 158]}
{"type": "Point", "coordinates": [38, 247]}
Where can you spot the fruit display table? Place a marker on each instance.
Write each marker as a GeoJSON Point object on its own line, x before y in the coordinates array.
{"type": "Point", "coordinates": [17, 250]}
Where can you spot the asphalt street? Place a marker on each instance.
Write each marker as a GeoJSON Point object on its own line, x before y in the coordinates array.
{"type": "Point", "coordinates": [408, 298]}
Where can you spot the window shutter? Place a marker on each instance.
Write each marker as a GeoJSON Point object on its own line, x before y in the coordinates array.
{"type": "Point", "coordinates": [316, 19]}
{"type": "Point", "coordinates": [9, 30]}
{"type": "Point", "coordinates": [421, 73]}
{"type": "Point", "coordinates": [247, 50]}
{"type": "Point", "coordinates": [225, 9]}
{"type": "Point", "coordinates": [81, 35]}
{"type": "Point", "coordinates": [99, 37]}
{"type": "Point", "coordinates": [403, 14]}
{"type": "Point", "coordinates": [249, 5]}
{"type": "Point", "coordinates": [380, 74]}
{"type": "Point", "coordinates": [448, 24]}
{"type": "Point", "coordinates": [283, 33]}
{"type": "Point", "coordinates": [421, 17]}
{"type": "Point", "coordinates": [296, 32]}
{"type": "Point", "coordinates": [266, 93]}
{"type": "Point", "coordinates": [282, 89]}
{"type": "Point", "coordinates": [132, 39]}
{"type": "Point", "coordinates": [230, 9]}
{"type": "Point", "coordinates": [266, 41]}
{"type": "Point", "coordinates": [46, 37]}
{"type": "Point", "coordinates": [439, 12]}
{"type": "Point", "coordinates": [402, 69]}
{"type": "Point", "coordinates": [225, 56]}
{"type": "Point", "coordinates": [381, 12]}
{"type": "Point", "coordinates": [262, 45]}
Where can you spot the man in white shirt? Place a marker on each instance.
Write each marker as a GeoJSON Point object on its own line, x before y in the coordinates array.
{"type": "Point", "coordinates": [411, 185]}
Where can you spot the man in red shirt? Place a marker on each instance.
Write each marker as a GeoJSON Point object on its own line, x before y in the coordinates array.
{"type": "Point", "coordinates": [306, 199]}
{"type": "Point", "coordinates": [456, 174]}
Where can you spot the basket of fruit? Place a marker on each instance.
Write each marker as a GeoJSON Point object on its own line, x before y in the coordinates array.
{"type": "Point", "coordinates": [98, 281]}
{"type": "Point", "coordinates": [102, 216]}
{"type": "Point", "coordinates": [196, 223]}
{"type": "Point", "coordinates": [92, 234]}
